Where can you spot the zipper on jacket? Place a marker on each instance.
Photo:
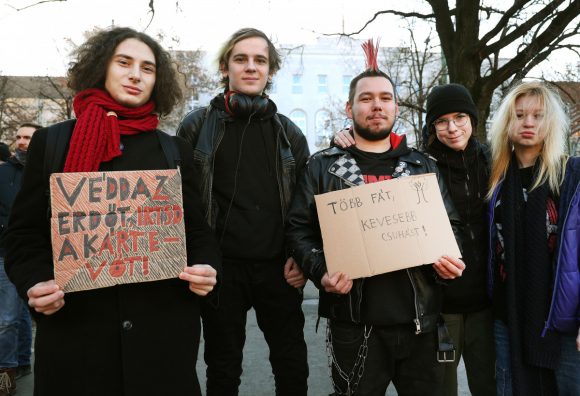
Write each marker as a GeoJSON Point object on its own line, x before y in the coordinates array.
{"type": "Point", "coordinates": [283, 205]}
{"type": "Point", "coordinates": [468, 196]}
{"type": "Point", "coordinates": [416, 320]}
{"type": "Point", "coordinates": [210, 187]}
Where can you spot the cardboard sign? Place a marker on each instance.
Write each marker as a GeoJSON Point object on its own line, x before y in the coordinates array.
{"type": "Point", "coordinates": [111, 228]}
{"type": "Point", "coordinates": [386, 226]}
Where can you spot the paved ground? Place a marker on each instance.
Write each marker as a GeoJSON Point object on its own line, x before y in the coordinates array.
{"type": "Point", "coordinates": [257, 379]}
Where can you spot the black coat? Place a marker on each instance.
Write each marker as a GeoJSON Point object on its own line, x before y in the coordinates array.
{"type": "Point", "coordinates": [135, 339]}
{"type": "Point", "coordinates": [10, 177]}
{"type": "Point", "coordinates": [466, 174]}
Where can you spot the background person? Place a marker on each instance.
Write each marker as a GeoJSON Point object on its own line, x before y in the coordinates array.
{"type": "Point", "coordinates": [15, 323]}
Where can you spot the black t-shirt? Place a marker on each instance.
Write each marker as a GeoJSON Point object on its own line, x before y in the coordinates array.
{"type": "Point", "coordinates": [387, 298]}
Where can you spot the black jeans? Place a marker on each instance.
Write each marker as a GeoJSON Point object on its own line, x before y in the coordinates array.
{"type": "Point", "coordinates": [395, 353]}
{"type": "Point", "coordinates": [279, 315]}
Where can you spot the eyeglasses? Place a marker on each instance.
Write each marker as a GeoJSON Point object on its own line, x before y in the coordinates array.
{"type": "Point", "coordinates": [442, 123]}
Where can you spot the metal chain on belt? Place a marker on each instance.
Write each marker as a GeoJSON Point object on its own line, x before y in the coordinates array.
{"type": "Point", "coordinates": [351, 379]}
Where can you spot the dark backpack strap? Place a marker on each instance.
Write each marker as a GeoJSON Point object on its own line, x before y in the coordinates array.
{"type": "Point", "coordinates": [169, 149]}
{"type": "Point", "coordinates": [57, 140]}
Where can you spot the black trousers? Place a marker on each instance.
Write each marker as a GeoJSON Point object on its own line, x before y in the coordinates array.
{"type": "Point", "coordinates": [278, 307]}
{"type": "Point", "coordinates": [394, 353]}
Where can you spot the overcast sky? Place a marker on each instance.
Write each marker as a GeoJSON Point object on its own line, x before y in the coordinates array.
{"type": "Point", "coordinates": [37, 40]}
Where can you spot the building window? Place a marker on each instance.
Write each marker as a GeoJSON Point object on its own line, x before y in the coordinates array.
{"type": "Point", "coordinates": [297, 83]}
{"type": "Point", "coordinates": [346, 79]}
{"type": "Point", "coordinates": [298, 117]}
{"type": "Point", "coordinates": [322, 83]}
{"type": "Point", "coordinates": [324, 130]}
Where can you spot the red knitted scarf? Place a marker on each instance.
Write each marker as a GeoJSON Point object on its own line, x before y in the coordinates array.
{"type": "Point", "coordinates": [100, 123]}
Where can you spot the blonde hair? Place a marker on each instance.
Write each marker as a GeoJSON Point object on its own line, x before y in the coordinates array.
{"type": "Point", "coordinates": [553, 129]}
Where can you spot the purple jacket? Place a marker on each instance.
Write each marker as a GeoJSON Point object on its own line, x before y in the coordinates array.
{"type": "Point", "coordinates": [564, 315]}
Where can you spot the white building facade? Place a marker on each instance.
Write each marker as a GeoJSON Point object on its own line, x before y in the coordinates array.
{"type": "Point", "coordinates": [312, 86]}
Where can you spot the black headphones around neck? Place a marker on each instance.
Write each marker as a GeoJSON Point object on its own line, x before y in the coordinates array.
{"type": "Point", "coordinates": [239, 104]}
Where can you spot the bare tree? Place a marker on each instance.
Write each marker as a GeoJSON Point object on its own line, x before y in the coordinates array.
{"type": "Point", "coordinates": [416, 68]}
{"type": "Point", "coordinates": [195, 80]}
{"type": "Point", "coordinates": [332, 118]}
{"type": "Point", "coordinates": [13, 112]}
{"type": "Point", "coordinates": [57, 93]}
{"type": "Point", "coordinates": [475, 33]}
{"type": "Point", "coordinates": [567, 84]}
{"type": "Point", "coordinates": [35, 4]}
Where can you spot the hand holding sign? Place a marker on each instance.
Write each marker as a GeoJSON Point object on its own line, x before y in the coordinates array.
{"type": "Point", "coordinates": [338, 283]}
{"type": "Point", "coordinates": [201, 278]}
{"type": "Point", "coordinates": [448, 267]}
{"type": "Point", "coordinates": [46, 297]}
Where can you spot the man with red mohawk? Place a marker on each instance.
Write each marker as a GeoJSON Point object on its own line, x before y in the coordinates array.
{"type": "Point", "coordinates": [383, 328]}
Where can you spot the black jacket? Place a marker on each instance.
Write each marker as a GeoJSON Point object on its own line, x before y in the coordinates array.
{"type": "Point", "coordinates": [305, 240]}
{"type": "Point", "coordinates": [10, 176]}
{"type": "Point", "coordinates": [204, 128]}
{"type": "Point", "coordinates": [466, 174]}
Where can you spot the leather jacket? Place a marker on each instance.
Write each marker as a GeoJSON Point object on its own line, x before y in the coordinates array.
{"type": "Point", "coordinates": [323, 174]}
{"type": "Point", "coordinates": [204, 129]}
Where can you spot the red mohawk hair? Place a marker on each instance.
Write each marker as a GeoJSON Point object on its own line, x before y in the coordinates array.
{"type": "Point", "coordinates": [371, 53]}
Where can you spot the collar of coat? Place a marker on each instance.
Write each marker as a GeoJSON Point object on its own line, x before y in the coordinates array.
{"type": "Point", "coordinates": [346, 168]}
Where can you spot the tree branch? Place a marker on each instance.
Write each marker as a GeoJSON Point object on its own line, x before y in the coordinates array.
{"type": "Point", "coordinates": [411, 105]}
{"type": "Point", "coordinates": [533, 63]}
{"type": "Point", "coordinates": [503, 22]}
{"type": "Point", "coordinates": [445, 30]}
{"type": "Point", "coordinates": [152, 12]}
{"type": "Point", "coordinates": [392, 12]}
{"type": "Point", "coordinates": [35, 4]}
{"type": "Point", "coordinates": [537, 18]}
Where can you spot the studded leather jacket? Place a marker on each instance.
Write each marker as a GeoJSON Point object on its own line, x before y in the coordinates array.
{"type": "Point", "coordinates": [325, 172]}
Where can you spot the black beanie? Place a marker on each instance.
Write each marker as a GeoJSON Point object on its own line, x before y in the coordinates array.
{"type": "Point", "coordinates": [450, 98]}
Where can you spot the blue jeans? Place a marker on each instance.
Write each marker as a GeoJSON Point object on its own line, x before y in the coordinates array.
{"type": "Point", "coordinates": [15, 325]}
{"type": "Point", "coordinates": [568, 373]}
{"type": "Point", "coordinates": [503, 372]}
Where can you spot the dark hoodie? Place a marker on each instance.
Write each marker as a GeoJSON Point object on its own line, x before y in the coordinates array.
{"type": "Point", "coordinates": [466, 174]}
{"type": "Point", "coordinates": [246, 188]}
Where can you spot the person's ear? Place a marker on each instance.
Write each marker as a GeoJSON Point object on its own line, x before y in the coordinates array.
{"type": "Point", "coordinates": [348, 110]}
{"type": "Point", "coordinates": [223, 69]}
